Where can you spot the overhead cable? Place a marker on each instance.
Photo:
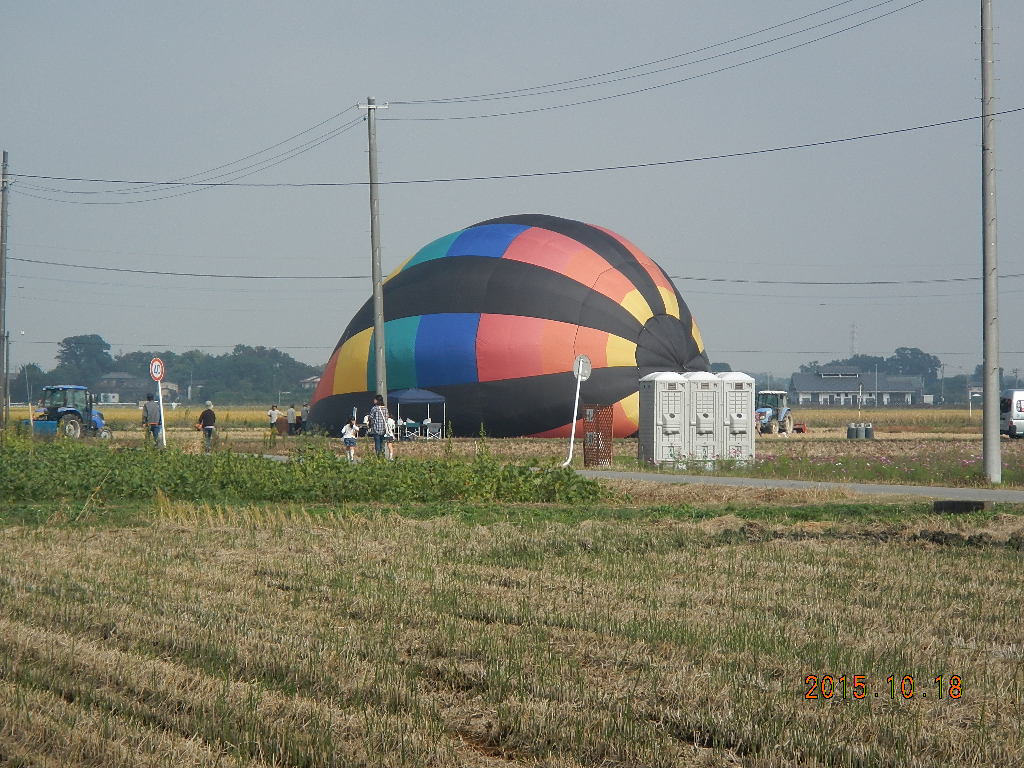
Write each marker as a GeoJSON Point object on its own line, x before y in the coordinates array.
{"type": "Point", "coordinates": [189, 274]}
{"type": "Point", "coordinates": [607, 77]}
{"type": "Point", "coordinates": [532, 174]}
{"type": "Point", "coordinates": [649, 88]}
{"type": "Point", "coordinates": [744, 281]}
{"type": "Point", "coordinates": [199, 186]}
{"type": "Point", "coordinates": [246, 157]}
{"type": "Point", "coordinates": [923, 281]}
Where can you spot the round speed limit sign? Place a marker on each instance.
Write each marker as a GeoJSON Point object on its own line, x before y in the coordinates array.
{"type": "Point", "coordinates": [156, 369]}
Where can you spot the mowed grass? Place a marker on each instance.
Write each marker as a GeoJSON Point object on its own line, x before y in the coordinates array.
{"type": "Point", "coordinates": [283, 636]}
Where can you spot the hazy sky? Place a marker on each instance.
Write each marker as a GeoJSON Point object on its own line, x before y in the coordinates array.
{"type": "Point", "coordinates": [148, 91]}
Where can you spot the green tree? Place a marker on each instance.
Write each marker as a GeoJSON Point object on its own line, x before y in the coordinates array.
{"type": "Point", "coordinates": [27, 382]}
{"type": "Point", "coordinates": [911, 361]}
{"type": "Point", "coordinates": [82, 360]}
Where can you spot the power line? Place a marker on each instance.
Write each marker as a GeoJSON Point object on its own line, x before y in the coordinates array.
{"type": "Point", "coordinates": [133, 253]}
{"type": "Point", "coordinates": [246, 157]}
{"type": "Point", "coordinates": [660, 85]}
{"type": "Point", "coordinates": [294, 152]}
{"type": "Point", "coordinates": [332, 346]}
{"type": "Point", "coordinates": [537, 90]}
{"type": "Point", "coordinates": [190, 346]}
{"type": "Point", "coordinates": [744, 281]}
{"type": "Point", "coordinates": [924, 281]}
{"type": "Point", "coordinates": [834, 300]}
{"type": "Point", "coordinates": [192, 274]}
{"type": "Point", "coordinates": [190, 288]}
{"type": "Point", "coordinates": [537, 174]}
{"type": "Point", "coordinates": [834, 351]}
{"type": "Point", "coordinates": [200, 185]}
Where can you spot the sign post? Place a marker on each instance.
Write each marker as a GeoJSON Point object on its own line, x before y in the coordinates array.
{"type": "Point", "coordinates": [156, 371]}
{"type": "Point", "coordinates": [581, 368]}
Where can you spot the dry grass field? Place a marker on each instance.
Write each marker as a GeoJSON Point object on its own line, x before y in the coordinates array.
{"type": "Point", "coordinates": [251, 637]}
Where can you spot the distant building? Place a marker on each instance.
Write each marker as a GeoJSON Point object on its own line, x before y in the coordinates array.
{"type": "Point", "coordinates": [127, 387]}
{"type": "Point", "coordinates": [310, 383]}
{"type": "Point", "coordinates": [171, 391]}
{"type": "Point", "coordinates": [844, 386]}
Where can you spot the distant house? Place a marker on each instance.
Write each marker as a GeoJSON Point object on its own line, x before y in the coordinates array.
{"type": "Point", "coordinates": [843, 386]}
{"type": "Point", "coordinates": [127, 387]}
{"type": "Point", "coordinates": [310, 383]}
{"type": "Point", "coordinates": [171, 391]}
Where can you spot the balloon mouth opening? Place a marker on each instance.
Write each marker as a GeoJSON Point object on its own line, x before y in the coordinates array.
{"type": "Point", "coordinates": [666, 344]}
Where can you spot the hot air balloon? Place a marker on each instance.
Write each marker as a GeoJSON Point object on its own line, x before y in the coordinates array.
{"type": "Point", "coordinates": [492, 317]}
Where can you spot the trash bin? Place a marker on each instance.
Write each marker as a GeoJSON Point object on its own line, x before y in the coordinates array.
{"type": "Point", "coordinates": [851, 431]}
{"type": "Point", "coordinates": [861, 429]}
{"type": "Point", "coordinates": [869, 431]}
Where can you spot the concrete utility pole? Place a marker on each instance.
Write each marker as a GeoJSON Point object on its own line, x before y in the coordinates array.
{"type": "Point", "coordinates": [4, 336]}
{"type": "Point", "coordinates": [990, 261]}
{"type": "Point", "coordinates": [378, 281]}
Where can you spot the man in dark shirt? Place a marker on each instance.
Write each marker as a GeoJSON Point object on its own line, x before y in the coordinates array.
{"type": "Point", "coordinates": [151, 418]}
{"type": "Point", "coordinates": [207, 421]}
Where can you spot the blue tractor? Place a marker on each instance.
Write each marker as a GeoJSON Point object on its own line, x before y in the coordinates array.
{"type": "Point", "coordinates": [69, 411]}
{"type": "Point", "coordinates": [772, 413]}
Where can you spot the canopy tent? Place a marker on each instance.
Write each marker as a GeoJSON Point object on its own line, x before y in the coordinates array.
{"type": "Point", "coordinates": [416, 396]}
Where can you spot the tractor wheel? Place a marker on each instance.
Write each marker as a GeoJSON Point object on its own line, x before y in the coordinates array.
{"type": "Point", "coordinates": [773, 426]}
{"type": "Point", "coordinates": [105, 434]}
{"type": "Point", "coordinates": [787, 424]}
{"type": "Point", "coordinates": [69, 426]}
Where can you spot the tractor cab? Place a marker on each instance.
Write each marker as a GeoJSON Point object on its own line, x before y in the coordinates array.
{"type": "Point", "coordinates": [776, 400]}
{"type": "Point", "coordinates": [71, 411]}
{"type": "Point", "coordinates": [771, 410]}
{"type": "Point", "coordinates": [59, 400]}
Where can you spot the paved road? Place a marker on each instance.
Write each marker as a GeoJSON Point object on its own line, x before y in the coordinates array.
{"type": "Point", "coordinates": [926, 491]}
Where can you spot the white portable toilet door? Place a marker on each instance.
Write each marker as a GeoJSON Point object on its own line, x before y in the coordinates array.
{"type": "Point", "coordinates": [669, 428]}
{"type": "Point", "coordinates": [704, 417]}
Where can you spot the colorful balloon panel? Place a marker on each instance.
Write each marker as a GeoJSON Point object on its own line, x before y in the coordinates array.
{"type": "Point", "coordinates": [493, 316]}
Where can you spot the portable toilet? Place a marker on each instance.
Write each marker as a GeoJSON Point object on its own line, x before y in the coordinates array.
{"type": "Point", "coordinates": [704, 431]}
{"type": "Point", "coordinates": [738, 415]}
{"type": "Point", "coordinates": [661, 430]}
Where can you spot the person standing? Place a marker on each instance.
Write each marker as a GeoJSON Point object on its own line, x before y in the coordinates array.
{"type": "Point", "coordinates": [291, 415]}
{"type": "Point", "coordinates": [305, 417]}
{"type": "Point", "coordinates": [349, 433]}
{"type": "Point", "coordinates": [378, 424]}
{"type": "Point", "coordinates": [151, 418]}
{"type": "Point", "coordinates": [207, 422]}
{"type": "Point", "coordinates": [273, 415]}
{"type": "Point", "coordinates": [389, 440]}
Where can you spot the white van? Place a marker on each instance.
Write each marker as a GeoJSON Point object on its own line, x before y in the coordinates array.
{"type": "Point", "coordinates": [1011, 412]}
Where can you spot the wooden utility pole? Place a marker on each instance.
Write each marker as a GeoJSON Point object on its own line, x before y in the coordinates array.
{"type": "Point", "coordinates": [371, 108]}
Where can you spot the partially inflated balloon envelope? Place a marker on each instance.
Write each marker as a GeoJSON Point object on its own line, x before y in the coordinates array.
{"type": "Point", "coordinates": [492, 317]}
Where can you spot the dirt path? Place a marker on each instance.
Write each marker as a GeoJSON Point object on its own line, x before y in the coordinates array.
{"type": "Point", "coordinates": [873, 489]}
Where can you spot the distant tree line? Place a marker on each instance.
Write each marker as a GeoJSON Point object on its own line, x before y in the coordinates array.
{"type": "Point", "coordinates": [243, 375]}
{"type": "Point", "coordinates": [905, 361]}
